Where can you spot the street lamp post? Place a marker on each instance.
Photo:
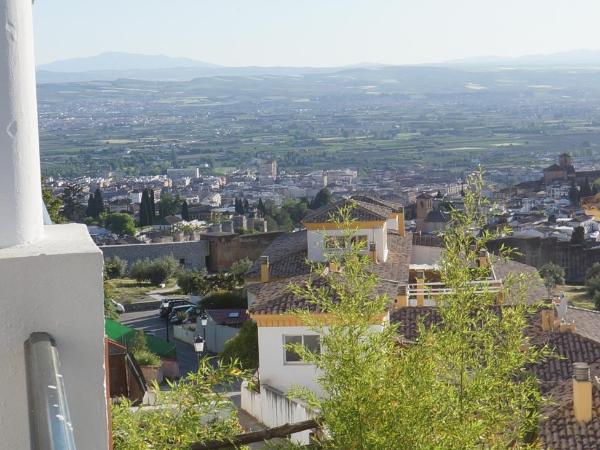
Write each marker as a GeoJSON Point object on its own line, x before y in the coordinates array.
{"type": "Point", "coordinates": [204, 322]}
{"type": "Point", "coordinates": [199, 348]}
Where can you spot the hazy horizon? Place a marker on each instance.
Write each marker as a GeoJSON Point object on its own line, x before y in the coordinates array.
{"type": "Point", "coordinates": [312, 33]}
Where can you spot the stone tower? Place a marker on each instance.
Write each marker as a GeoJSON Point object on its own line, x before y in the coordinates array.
{"type": "Point", "coordinates": [564, 160]}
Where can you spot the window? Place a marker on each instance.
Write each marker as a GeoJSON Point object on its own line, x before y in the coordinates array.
{"type": "Point", "coordinates": [182, 261]}
{"type": "Point", "coordinates": [334, 242]}
{"type": "Point", "coordinates": [342, 241]}
{"type": "Point", "coordinates": [312, 342]}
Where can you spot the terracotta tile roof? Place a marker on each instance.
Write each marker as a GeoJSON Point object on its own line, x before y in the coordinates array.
{"type": "Point", "coordinates": [558, 429]}
{"type": "Point", "coordinates": [276, 298]}
{"type": "Point", "coordinates": [398, 261]}
{"type": "Point", "coordinates": [586, 321]}
{"type": "Point", "coordinates": [362, 211]}
{"type": "Point", "coordinates": [395, 207]}
{"type": "Point", "coordinates": [536, 290]}
{"type": "Point", "coordinates": [229, 317]}
{"type": "Point", "coordinates": [287, 256]}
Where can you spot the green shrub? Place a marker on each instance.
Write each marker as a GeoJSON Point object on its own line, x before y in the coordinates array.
{"type": "Point", "coordinates": [592, 273]}
{"type": "Point", "coordinates": [243, 347]}
{"type": "Point", "coordinates": [186, 281]}
{"type": "Point", "coordinates": [146, 358]}
{"type": "Point", "coordinates": [225, 300]}
{"type": "Point", "coordinates": [157, 271]}
{"type": "Point", "coordinates": [240, 267]}
{"type": "Point", "coordinates": [115, 267]}
{"type": "Point", "coordinates": [140, 270]}
{"type": "Point", "coordinates": [137, 343]}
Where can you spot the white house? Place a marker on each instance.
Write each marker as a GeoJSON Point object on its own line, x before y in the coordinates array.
{"type": "Point", "coordinates": [376, 223]}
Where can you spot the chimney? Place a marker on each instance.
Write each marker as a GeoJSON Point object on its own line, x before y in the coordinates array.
{"type": "Point", "coordinates": [401, 224]}
{"type": "Point", "coordinates": [482, 258]}
{"type": "Point", "coordinates": [334, 266]}
{"type": "Point", "coordinates": [582, 392]}
{"type": "Point", "coordinates": [373, 251]}
{"type": "Point", "coordinates": [264, 269]}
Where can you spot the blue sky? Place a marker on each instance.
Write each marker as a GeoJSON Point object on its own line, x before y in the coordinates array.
{"type": "Point", "coordinates": [314, 32]}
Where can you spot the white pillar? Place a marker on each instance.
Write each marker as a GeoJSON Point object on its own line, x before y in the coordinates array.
{"type": "Point", "coordinates": [20, 187]}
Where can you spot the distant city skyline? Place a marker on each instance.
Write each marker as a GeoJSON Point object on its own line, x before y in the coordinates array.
{"type": "Point", "coordinates": [314, 32]}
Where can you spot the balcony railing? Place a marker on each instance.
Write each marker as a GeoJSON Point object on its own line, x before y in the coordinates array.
{"type": "Point", "coordinates": [49, 420]}
{"type": "Point", "coordinates": [427, 294]}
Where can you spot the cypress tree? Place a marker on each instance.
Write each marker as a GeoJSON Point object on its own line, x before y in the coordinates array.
{"type": "Point", "coordinates": [261, 207]}
{"type": "Point", "coordinates": [152, 207]}
{"type": "Point", "coordinates": [144, 209]}
{"type": "Point", "coordinates": [246, 206]}
{"type": "Point", "coordinates": [586, 189]}
{"type": "Point", "coordinates": [90, 211]}
{"type": "Point", "coordinates": [99, 202]}
{"type": "Point", "coordinates": [185, 213]}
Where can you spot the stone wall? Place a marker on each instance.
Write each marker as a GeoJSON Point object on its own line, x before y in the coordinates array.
{"type": "Point", "coordinates": [225, 249]}
{"type": "Point", "coordinates": [190, 254]}
{"type": "Point", "coordinates": [574, 258]}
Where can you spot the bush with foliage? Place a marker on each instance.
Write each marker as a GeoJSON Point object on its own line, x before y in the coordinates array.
{"type": "Point", "coordinates": [115, 267]}
{"type": "Point", "coordinates": [186, 280]}
{"type": "Point", "coordinates": [139, 270]}
{"type": "Point", "coordinates": [157, 271]}
{"type": "Point", "coordinates": [198, 283]}
{"type": "Point", "coordinates": [191, 411]}
{"type": "Point", "coordinates": [552, 274]}
{"type": "Point", "coordinates": [240, 267]}
{"type": "Point", "coordinates": [138, 347]}
{"type": "Point", "coordinates": [121, 224]}
{"type": "Point", "coordinates": [243, 347]}
{"type": "Point", "coordinates": [225, 300]}
{"type": "Point", "coordinates": [160, 270]}
{"type": "Point", "coordinates": [592, 283]}
{"type": "Point", "coordinates": [147, 358]}
{"type": "Point", "coordinates": [110, 311]}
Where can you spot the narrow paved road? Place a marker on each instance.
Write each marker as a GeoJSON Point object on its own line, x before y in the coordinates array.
{"type": "Point", "coordinates": [151, 323]}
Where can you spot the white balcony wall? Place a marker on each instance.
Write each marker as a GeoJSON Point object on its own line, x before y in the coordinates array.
{"type": "Point", "coordinates": [54, 286]}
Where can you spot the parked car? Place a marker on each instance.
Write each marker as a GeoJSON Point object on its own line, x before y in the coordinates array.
{"type": "Point", "coordinates": [167, 306]}
{"type": "Point", "coordinates": [179, 314]}
{"type": "Point", "coordinates": [118, 306]}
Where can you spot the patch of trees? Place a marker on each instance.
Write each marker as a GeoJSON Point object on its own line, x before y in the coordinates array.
{"type": "Point", "coordinates": [147, 208]}
{"type": "Point", "coordinates": [553, 275]}
{"type": "Point", "coordinates": [115, 267]}
{"type": "Point", "coordinates": [169, 204]}
{"type": "Point", "coordinates": [95, 205]}
{"type": "Point", "coordinates": [121, 224]}
{"type": "Point", "coordinates": [592, 283]}
{"type": "Point", "coordinates": [156, 271]}
{"type": "Point", "coordinates": [198, 283]}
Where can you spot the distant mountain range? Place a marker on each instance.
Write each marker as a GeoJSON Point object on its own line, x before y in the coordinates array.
{"type": "Point", "coordinates": [580, 57]}
{"type": "Point", "coordinates": [119, 61]}
{"type": "Point", "coordinates": [115, 65]}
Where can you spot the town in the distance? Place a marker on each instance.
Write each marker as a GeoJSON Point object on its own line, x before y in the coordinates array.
{"type": "Point", "coordinates": [551, 218]}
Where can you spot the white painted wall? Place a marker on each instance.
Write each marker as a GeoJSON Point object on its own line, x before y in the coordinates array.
{"type": "Point", "coordinates": [392, 224]}
{"type": "Point", "coordinates": [54, 286]}
{"type": "Point", "coordinates": [274, 408]}
{"type": "Point", "coordinates": [316, 241]}
{"type": "Point", "coordinates": [272, 368]}
{"type": "Point", "coordinates": [271, 356]}
{"type": "Point", "coordinates": [20, 186]}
